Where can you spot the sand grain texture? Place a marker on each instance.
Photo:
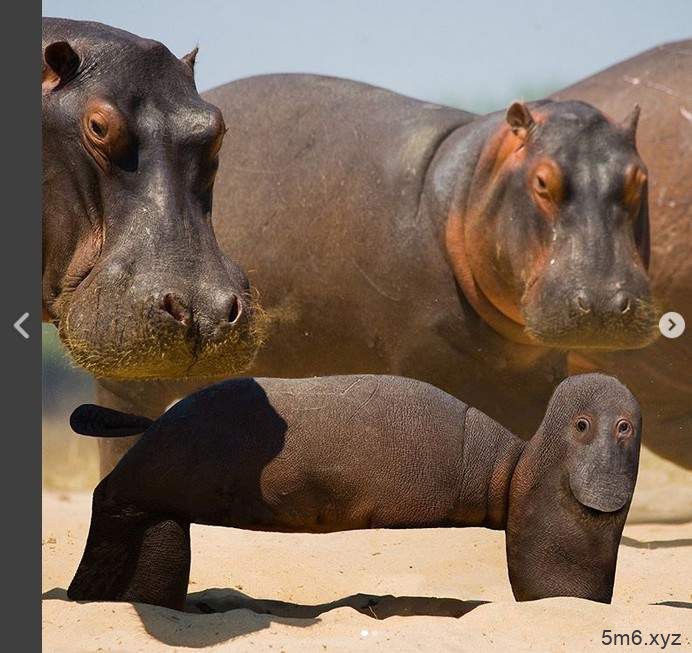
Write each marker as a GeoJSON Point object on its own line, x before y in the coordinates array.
{"type": "Point", "coordinates": [423, 590]}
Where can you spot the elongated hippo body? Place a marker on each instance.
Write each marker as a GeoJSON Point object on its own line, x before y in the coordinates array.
{"type": "Point", "coordinates": [660, 81]}
{"type": "Point", "coordinates": [339, 453]}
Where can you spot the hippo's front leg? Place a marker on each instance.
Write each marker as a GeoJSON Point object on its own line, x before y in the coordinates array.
{"type": "Point", "coordinates": [148, 398]}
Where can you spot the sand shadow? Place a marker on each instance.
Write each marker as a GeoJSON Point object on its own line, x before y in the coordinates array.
{"type": "Point", "coordinates": [216, 600]}
{"type": "Point", "coordinates": [195, 628]}
{"type": "Point", "coordinates": [219, 615]}
{"type": "Point", "coordinates": [675, 604]}
{"type": "Point", "coordinates": [655, 544]}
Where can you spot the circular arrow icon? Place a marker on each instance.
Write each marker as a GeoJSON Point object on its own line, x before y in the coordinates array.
{"type": "Point", "coordinates": [671, 324]}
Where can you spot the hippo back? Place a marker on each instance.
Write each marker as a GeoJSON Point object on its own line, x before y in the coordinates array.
{"type": "Point", "coordinates": [322, 177]}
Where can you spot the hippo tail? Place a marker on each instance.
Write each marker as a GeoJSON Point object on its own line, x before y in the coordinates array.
{"type": "Point", "coordinates": [89, 419]}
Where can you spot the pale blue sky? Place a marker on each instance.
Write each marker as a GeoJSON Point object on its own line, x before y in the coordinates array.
{"type": "Point", "coordinates": [473, 54]}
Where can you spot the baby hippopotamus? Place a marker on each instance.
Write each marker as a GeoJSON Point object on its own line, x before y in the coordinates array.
{"type": "Point", "coordinates": [348, 452]}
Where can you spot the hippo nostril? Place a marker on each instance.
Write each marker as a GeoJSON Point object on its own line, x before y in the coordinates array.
{"type": "Point", "coordinates": [174, 306]}
{"type": "Point", "coordinates": [622, 302]}
{"type": "Point", "coordinates": [234, 309]}
{"type": "Point", "coordinates": [583, 303]}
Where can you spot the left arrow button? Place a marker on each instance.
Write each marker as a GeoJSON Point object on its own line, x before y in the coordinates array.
{"type": "Point", "coordinates": [18, 325]}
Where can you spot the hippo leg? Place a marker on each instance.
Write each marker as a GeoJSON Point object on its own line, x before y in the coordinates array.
{"type": "Point", "coordinates": [148, 398]}
{"type": "Point", "coordinates": [563, 549]}
{"type": "Point", "coordinates": [134, 556]}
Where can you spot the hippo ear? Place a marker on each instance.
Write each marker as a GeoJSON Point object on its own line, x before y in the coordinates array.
{"type": "Point", "coordinates": [60, 65]}
{"type": "Point", "coordinates": [190, 58]}
{"type": "Point", "coordinates": [629, 124]}
{"type": "Point", "coordinates": [520, 119]}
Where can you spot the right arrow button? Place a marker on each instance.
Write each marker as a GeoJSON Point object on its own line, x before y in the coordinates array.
{"type": "Point", "coordinates": [671, 324]}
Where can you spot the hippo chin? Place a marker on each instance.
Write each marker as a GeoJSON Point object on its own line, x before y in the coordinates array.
{"type": "Point", "coordinates": [133, 276]}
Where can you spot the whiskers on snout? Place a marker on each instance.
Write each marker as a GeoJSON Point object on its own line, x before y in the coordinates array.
{"type": "Point", "coordinates": [166, 342]}
{"type": "Point", "coordinates": [625, 322]}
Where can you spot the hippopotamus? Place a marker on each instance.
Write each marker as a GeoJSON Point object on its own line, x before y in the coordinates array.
{"type": "Point", "coordinates": [390, 235]}
{"type": "Point", "coordinates": [660, 81]}
{"type": "Point", "coordinates": [133, 276]}
{"type": "Point", "coordinates": [352, 452]}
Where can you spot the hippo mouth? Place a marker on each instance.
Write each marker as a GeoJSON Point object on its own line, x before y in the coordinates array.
{"type": "Point", "coordinates": [610, 497]}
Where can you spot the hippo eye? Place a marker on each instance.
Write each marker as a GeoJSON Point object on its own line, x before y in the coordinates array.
{"type": "Point", "coordinates": [623, 428]}
{"type": "Point", "coordinates": [106, 136]}
{"type": "Point", "coordinates": [98, 127]}
{"type": "Point", "coordinates": [541, 185]}
{"type": "Point", "coordinates": [582, 424]}
{"type": "Point", "coordinates": [546, 184]}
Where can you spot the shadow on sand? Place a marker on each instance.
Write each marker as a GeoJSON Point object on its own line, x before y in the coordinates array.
{"type": "Point", "coordinates": [654, 544]}
{"type": "Point", "coordinates": [218, 615]}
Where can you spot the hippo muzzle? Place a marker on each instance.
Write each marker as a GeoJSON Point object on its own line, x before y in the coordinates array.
{"type": "Point", "coordinates": [590, 296]}
{"type": "Point", "coordinates": [142, 324]}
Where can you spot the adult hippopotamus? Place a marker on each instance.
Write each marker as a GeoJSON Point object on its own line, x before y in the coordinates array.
{"type": "Point", "coordinates": [660, 81]}
{"type": "Point", "coordinates": [133, 276]}
{"type": "Point", "coordinates": [351, 452]}
{"type": "Point", "coordinates": [386, 234]}
{"type": "Point", "coordinates": [390, 235]}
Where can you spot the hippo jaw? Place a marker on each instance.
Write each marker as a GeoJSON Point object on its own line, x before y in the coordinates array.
{"type": "Point", "coordinates": [608, 494]}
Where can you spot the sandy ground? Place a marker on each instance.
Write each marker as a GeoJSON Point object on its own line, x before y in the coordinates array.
{"type": "Point", "coordinates": [431, 590]}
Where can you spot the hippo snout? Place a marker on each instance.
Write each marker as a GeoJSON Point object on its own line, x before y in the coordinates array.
{"type": "Point", "coordinates": [122, 325]}
{"type": "Point", "coordinates": [598, 314]}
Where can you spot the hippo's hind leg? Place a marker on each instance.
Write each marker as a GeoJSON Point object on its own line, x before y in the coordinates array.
{"type": "Point", "coordinates": [133, 556]}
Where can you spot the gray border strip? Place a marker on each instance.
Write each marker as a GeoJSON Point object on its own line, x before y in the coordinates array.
{"type": "Point", "coordinates": [20, 479]}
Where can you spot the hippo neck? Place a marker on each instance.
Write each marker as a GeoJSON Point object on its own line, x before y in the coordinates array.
{"type": "Point", "coordinates": [489, 458]}
{"type": "Point", "coordinates": [450, 181]}
{"type": "Point", "coordinates": [456, 253]}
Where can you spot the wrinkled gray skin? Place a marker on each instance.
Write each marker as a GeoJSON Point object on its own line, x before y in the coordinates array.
{"type": "Point", "coordinates": [352, 452]}
{"type": "Point", "coordinates": [133, 277]}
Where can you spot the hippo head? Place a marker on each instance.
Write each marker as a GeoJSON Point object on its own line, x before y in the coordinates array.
{"type": "Point", "coordinates": [571, 491]}
{"type": "Point", "coordinates": [556, 232]}
{"type": "Point", "coordinates": [133, 276]}
{"type": "Point", "coordinates": [596, 423]}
